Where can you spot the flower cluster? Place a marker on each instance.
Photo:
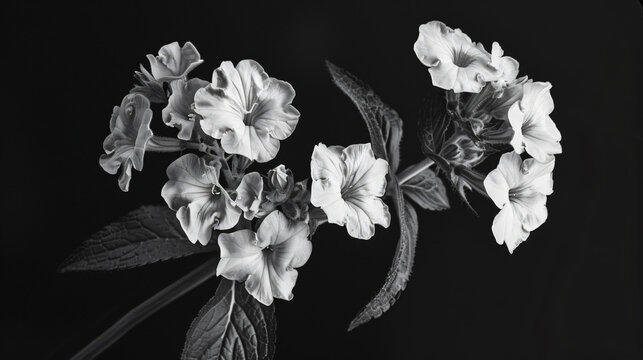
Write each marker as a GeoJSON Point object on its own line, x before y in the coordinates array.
{"type": "Point", "coordinates": [490, 110]}
{"type": "Point", "coordinates": [262, 223]}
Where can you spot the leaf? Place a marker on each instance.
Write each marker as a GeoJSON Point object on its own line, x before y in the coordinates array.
{"type": "Point", "coordinates": [143, 236]}
{"type": "Point", "coordinates": [400, 270]}
{"type": "Point", "coordinates": [383, 123]}
{"type": "Point", "coordinates": [427, 190]}
{"type": "Point", "coordinates": [232, 326]}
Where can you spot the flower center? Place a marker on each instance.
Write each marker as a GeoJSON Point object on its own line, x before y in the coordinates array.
{"type": "Point", "coordinates": [216, 191]}
{"type": "Point", "coordinates": [461, 58]}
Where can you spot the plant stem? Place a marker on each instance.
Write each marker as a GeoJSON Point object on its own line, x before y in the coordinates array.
{"type": "Point", "coordinates": [144, 310]}
{"type": "Point", "coordinates": [168, 144]}
{"type": "Point", "coordinates": [413, 170]}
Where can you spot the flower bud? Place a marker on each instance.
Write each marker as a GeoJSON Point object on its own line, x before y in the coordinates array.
{"type": "Point", "coordinates": [296, 207]}
{"type": "Point", "coordinates": [280, 184]}
{"type": "Point", "coordinates": [460, 150]}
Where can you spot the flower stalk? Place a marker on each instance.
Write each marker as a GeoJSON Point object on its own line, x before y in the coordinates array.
{"type": "Point", "coordinates": [150, 306]}
{"type": "Point", "coordinates": [414, 170]}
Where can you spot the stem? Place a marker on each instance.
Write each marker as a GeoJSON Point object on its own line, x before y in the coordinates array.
{"type": "Point", "coordinates": [168, 144]}
{"type": "Point", "coordinates": [144, 310]}
{"type": "Point", "coordinates": [413, 170]}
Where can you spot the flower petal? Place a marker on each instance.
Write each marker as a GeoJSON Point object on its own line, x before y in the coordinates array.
{"type": "Point", "coordinates": [249, 193]}
{"type": "Point", "coordinates": [274, 112]}
{"type": "Point", "coordinates": [259, 284]}
{"type": "Point", "coordinates": [497, 188]}
{"type": "Point", "coordinates": [220, 113]}
{"type": "Point", "coordinates": [179, 108]}
{"type": "Point", "coordinates": [364, 173]}
{"type": "Point", "coordinates": [507, 228]}
{"type": "Point", "coordinates": [174, 62]}
{"type": "Point", "coordinates": [130, 131]}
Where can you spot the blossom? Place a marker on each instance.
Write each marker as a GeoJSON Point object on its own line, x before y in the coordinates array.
{"type": "Point", "coordinates": [266, 260]}
{"type": "Point", "coordinates": [534, 130]}
{"type": "Point", "coordinates": [178, 112]}
{"type": "Point", "coordinates": [174, 62]}
{"type": "Point", "coordinates": [348, 184]}
{"type": "Point", "coordinates": [125, 145]}
{"type": "Point", "coordinates": [519, 188]}
{"type": "Point", "coordinates": [249, 194]}
{"type": "Point", "coordinates": [201, 203]}
{"type": "Point", "coordinates": [455, 62]}
{"type": "Point", "coordinates": [249, 111]}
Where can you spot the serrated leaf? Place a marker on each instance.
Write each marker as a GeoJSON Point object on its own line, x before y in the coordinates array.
{"type": "Point", "coordinates": [383, 123]}
{"type": "Point", "coordinates": [427, 190]}
{"type": "Point", "coordinates": [143, 236]}
{"type": "Point", "coordinates": [232, 326]}
{"type": "Point", "coordinates": [400, 270]}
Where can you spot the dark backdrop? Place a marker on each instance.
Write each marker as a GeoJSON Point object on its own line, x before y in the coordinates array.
{"type": "Point", "coordinates": [571, 291]}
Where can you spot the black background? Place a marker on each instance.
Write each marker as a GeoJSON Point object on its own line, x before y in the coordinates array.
{"type": "Point", "coordinates": [571, 291]}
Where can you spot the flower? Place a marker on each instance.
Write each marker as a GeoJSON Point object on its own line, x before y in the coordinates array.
{"type": "Point", "coordinates": [348, 184]}
{"type": "Point", "coordinates": [178, 112]}
{"type": "Point", "coordinates": [519, 188]}
{"type": "Point", "coordinates": [201, 203]}
{"type": "Point", "coordinates": [125, 145]}
{"type": "Point", "coordinates": [249, 111]}
{"type": "Point", "coordinates": [249, 194]}
{"type": "Point", "coordinates": [533, 129]}
{"type": "Point", "coordinates": [280, 183]}
{"type": "Point", "coordinates": [174, 62]}
{"type": "Point", "coordinates": [507, 65]}
{"type": "Point", "coordinates": [454, 61]}
{"type": "Point", "coordinates": [266, 260]}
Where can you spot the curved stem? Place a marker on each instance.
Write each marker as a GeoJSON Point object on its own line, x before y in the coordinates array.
{"type": "Point", "coordinates": [144, 310]}
{"type": "Point", "coordinates": [413, 170]}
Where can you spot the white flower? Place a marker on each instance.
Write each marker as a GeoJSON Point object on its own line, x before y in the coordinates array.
{"type": "Point", "coordinates": [178, 112]}
{"type": "Point", "coordinates": [125, 145]}
{"type": "Point", "coordinates": [201, 203]}
{"type": "Point", "coordinates": [455, 62]}
{"type": "Point", "coordinates": [348, 184]}
{"type": "Point", "coordinates": [533, 129]}
{"type": "Point", "coordinates": [266, 260]}
{"type": "Point", "coordinates": [249, 111]}
{"type": "Point", "coordinates": [507, 65]}
{"type": "Point", "coordinates": [519, 188]}
{"type": "Point", "coordinates": [249, 194]}
{"type": "Point", "coordinates": [174, 62]}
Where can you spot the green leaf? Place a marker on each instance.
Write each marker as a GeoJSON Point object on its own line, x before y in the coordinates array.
{"type": "Point", "coordinates": [143, 236]}
{"type": "Point", "coordinates": [383, 123]}
{"type": "Point", "coordinates": [400, 270]}
{"type": "Point", "coordinates": [232, 326]}
{"type": "Point", "coordinates": [427, 190]}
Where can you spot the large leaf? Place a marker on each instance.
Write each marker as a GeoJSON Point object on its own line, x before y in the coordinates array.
{"type": "Point", "coordinates": [427, 190]}
{"type": "Point", "coordinates": [400, 270]}
{"type": "Point", "coordinates": [143, 236]}
{"type": "Point", "coordinates": [383, 123]}
{"type": "Point", "coordinates": [232, 326]}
